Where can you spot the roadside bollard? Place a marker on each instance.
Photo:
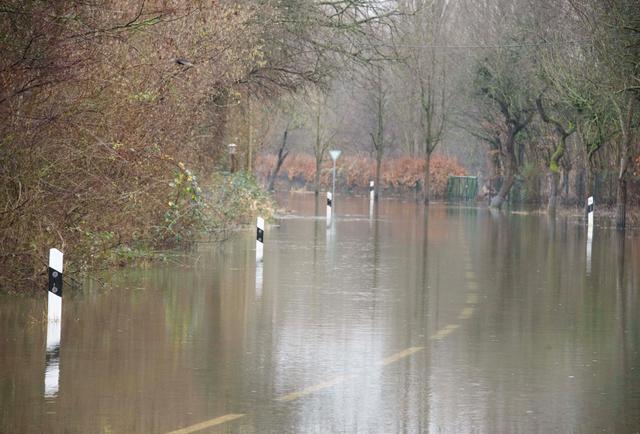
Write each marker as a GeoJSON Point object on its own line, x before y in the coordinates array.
{"type": "Point", "coordinates": [329, 207]}
{"type": "Point", "coordinates": [259, 239]}
{"type": "Point", "coordinates": [371, 198]}
{"type": "Point", "coordinates": [590, 209]}
{"type": "Point", "coordinates": [54, 323]}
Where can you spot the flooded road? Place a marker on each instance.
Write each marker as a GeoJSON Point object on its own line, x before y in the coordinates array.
{"type": "Point", "coordinates": [450, 320]}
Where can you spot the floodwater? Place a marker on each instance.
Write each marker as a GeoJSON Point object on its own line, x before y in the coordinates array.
{"type": "Point", "coordinates": [451, 320]}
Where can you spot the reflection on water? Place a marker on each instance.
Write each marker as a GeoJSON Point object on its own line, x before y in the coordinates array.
{"type": "Point", "coordinates": [455, 320]}
{"type": "Point", "coordinates": [52, 365]}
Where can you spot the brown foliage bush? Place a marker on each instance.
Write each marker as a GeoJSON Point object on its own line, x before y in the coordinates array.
{"type": "Point", "coordinates": [353, 173]}
{"type": "Point", "coordinates": [95, 117]}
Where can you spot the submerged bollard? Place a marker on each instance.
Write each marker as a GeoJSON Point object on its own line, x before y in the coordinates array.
{"type": "Point", "coordinates": [259, 239]}
{"type": "Point", "coordinates": [54, 323]}
{"type": "Point", "coordinates": [259, 272]}
{"type": "Point", "coordinates": [590, 209]}
{"type": "Point", "coordinates": [329, 207]}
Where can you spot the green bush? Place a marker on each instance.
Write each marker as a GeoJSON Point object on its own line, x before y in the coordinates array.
{"type": "Point", "coordinates": [236, 199]}
{"type": "Point", "coordinates": [228, 201]}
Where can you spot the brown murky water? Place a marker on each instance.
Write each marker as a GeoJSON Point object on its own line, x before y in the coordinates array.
{"type": "Point", "coordinates": [452, 321]}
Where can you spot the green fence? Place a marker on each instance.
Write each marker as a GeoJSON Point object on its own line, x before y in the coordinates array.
{"type": "Point", "coordinates": [462, 188]}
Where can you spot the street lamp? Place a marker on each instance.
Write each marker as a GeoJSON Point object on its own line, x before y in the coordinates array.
{"type": "Point", "coordinates": [232, 154]}
{"type": "Point", "coordinates": [335, 154]}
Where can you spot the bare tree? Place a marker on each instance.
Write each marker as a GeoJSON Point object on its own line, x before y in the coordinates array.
{"type": "Point", "coordinates": [426, 70]}
{"type": "Point", "coordinates": [502, 88]}
{"type": "Point", "coordinates": [379, 98]}
{"type": "Point", "coordinates": [323, 131]}
{"type": "Point", "coordinates": [281, 156]}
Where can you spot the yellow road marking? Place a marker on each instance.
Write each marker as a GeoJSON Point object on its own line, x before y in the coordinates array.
{"type": "Point", "coordinates": [445, 331]}
{"type": "Point", "coordinates": [340, 378]}
{"type": "Point", "coordinates": [311, 389]}
{"type": "Point", "coordinates": [466, 313]}
{"type": "Point", "coordinates": [208, 423]}
{"type": "Point", "coordinates": [401, 355]}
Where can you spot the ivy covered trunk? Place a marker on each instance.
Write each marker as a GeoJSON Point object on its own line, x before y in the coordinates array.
{"type": "Point", "coordinates": [564, 195]}
{"type": "Point", "coordinates": [554, 180]}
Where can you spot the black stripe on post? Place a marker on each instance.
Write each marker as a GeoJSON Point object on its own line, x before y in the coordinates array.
{"type": "Point", "coordinates": [589, 208]}
{"type": "Point", "coordinates": [55, 282]}
{"type": "Point", "coordinates": [328, 202]}
{"type": "Point", "coordinates": [260, 235]}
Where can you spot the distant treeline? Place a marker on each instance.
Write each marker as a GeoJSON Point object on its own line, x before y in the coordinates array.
{"type": "Point", "coordinates": [400, 175]}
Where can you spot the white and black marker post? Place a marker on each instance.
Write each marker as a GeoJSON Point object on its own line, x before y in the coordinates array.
{"type": "Point", "coordinates": [259, 239]}
{"type": "Point", "coordinates": [590, 209]}
{"type": "Point", "coordinates": [590, 206]}
{"type": "Point", "coordinates": [329, 207]}
{"type": "Point", "coordinates": [371, 197]}
{"type": "Point", "coordinates": [54, 323]}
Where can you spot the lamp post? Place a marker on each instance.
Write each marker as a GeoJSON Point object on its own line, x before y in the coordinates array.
{"type": "Point", "coordinates": [232, 155]}
{"type": "Point", "coordinates": [335, 154]}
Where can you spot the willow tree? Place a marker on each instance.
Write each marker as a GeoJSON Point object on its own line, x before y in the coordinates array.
{"type": "Point", "coordinates": [562, 129]}
{"type": "Point", "coordinates": [614, 30]}
{"type": "Point", "coordinates": [503, 87]}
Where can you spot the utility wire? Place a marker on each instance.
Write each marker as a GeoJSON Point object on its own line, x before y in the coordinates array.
{"type": "Point", "coordinates": [464, 47]}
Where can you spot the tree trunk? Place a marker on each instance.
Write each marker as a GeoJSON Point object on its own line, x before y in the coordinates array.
{"type": "Point", "coordinates": [319, 153]}
{"type": "Point", "coordinates": [249, 137]}
{"type": "Point", "coordinates": [589, 185]}
{"type": "Point", "coordinates": [578, 185]}
{"type": "Point", "coordinates": [281, 157]}
{"type": "Point", "coordinates": [509, 178]}
{"type": "Point", "coordinates": [565, 187]}
{"type": "Point", "coordinates": [621, 203]}
{"type": "Point", "coordinates": [427, 178]}
{"type": "Point", "coordinates": [621, 191]}
{"type": "Point", "coordinates": [509, 165]}
{"type": "Point", "coordinates": [276, 170]}
{"type": "Point", "coordinates": [376, 187]}
{"type": "Point", "coordinates": [316, 188]}
{"type": "Point", "coordinates": [498, 199]}
{"type": "Point", "coordinates": [554, 178]}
